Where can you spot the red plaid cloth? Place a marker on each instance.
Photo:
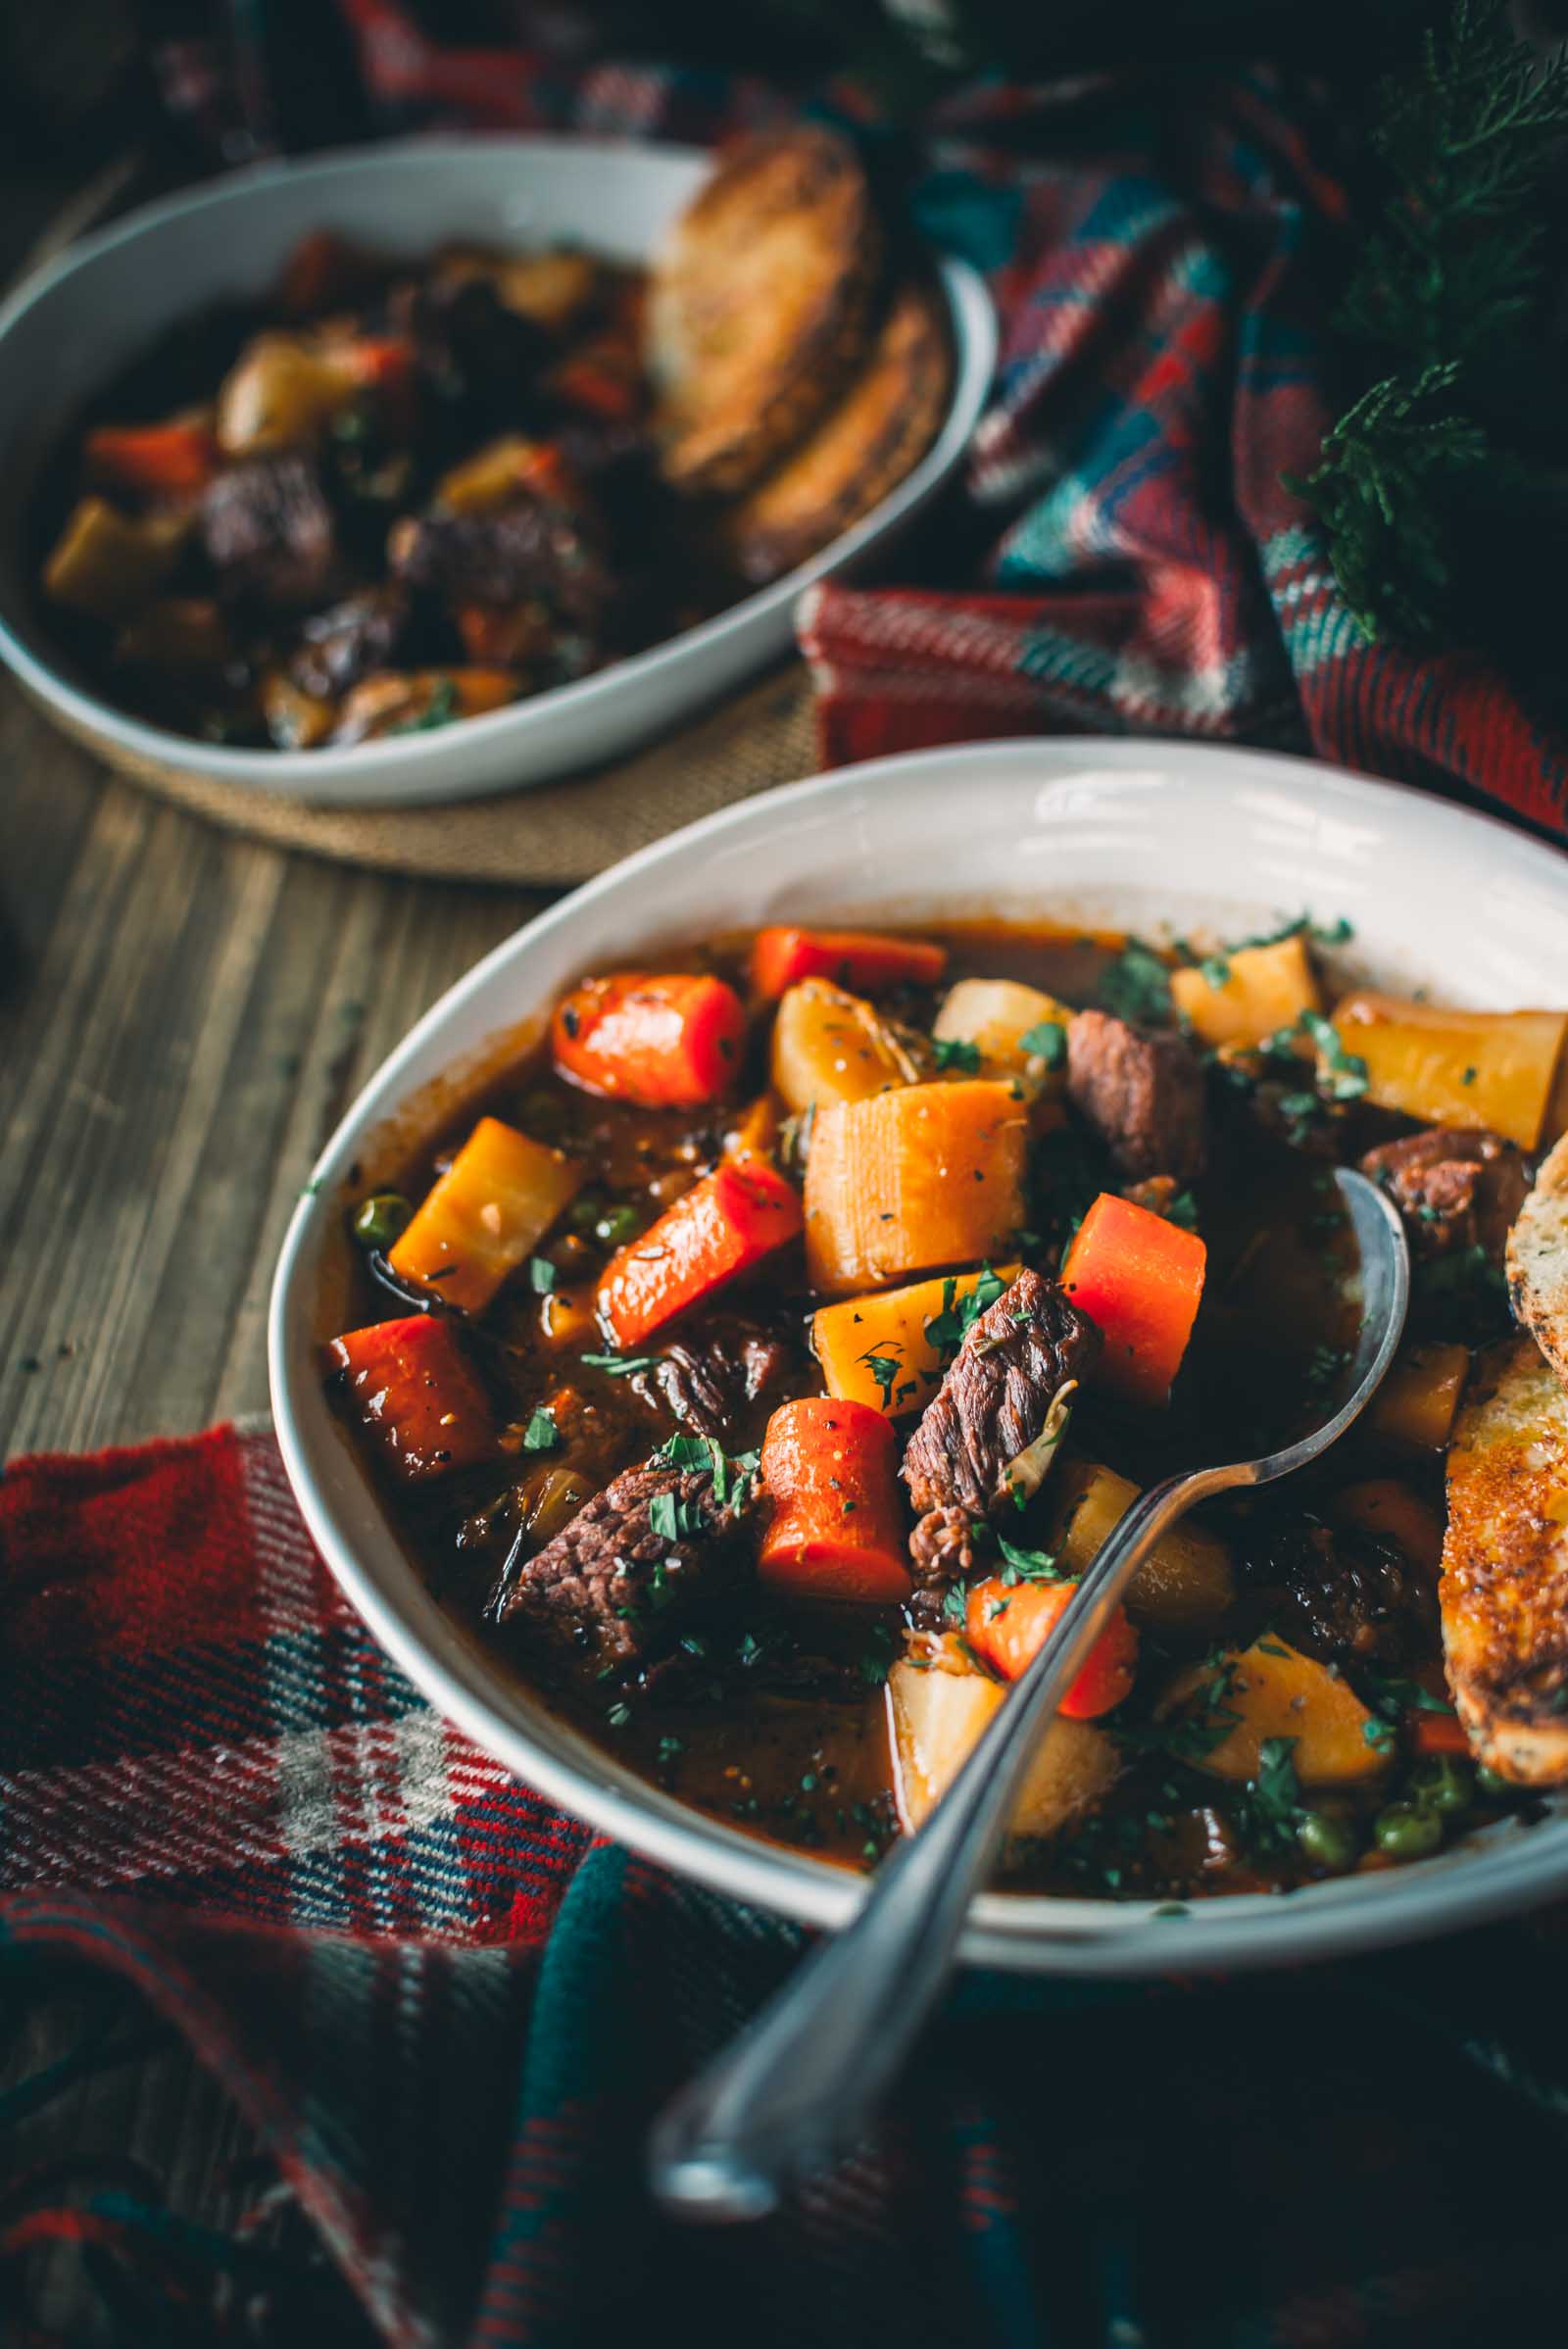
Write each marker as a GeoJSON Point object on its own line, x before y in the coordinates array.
{"type": "Point", "coordinates": [1166, 252]}
{"type": "Point", "coordinates": [451, 2015]}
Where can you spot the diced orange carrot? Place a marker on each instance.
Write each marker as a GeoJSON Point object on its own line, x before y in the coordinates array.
{"type": "Point", "coordinates": [908, 1180]}
{"type": "Point", "coordinates": [417, 1396]}
{"type": "Point", "coordinates": [157, 459]}
{"type": "Point", "coordinates": [1009, 1623]}
{"type": "Point", "coordinates": [491, 1209]}
{"type": "Point", "coordinates": [830, 1470]}
{"type": "Point", "coordinates": [853, 959]}
{"type": "Point", "coordinates": [663, 1042]}
{"type": "Point", "coordinates": [1140, 1280]}
{"type": "Point", "coordinates": [386, 365]}
{"type": "Point", "coordinates": [598, 382]}
{"type": "Point", "coordinates": [721, 1227]}
{"type": "Point", "coordinates": [1438, 1733]}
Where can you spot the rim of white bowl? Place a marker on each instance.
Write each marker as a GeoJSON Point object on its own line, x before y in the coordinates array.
{"type": "Point", "coordinates": [301, 774]}
{"type": "Point", "coordinates": [1502, 1871]}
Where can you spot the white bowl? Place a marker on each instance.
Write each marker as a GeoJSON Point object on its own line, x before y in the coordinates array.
{"type": "Point", "coordinates": [1145, 835]}
{"type": "Point", "coordinates": [70, 329]}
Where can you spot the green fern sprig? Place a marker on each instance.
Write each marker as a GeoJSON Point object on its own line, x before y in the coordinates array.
{"type": "Point", "coordinates": [1445, 296]}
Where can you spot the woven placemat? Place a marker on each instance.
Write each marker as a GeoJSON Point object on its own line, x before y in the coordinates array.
{"type": "Point", "coordinates": [554, 833]}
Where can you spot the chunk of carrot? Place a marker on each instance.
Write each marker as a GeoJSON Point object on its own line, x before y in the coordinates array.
{"type": "Point", "coordinates": [906, 1181]}
{"type": "Point", "coordinates": [491, 1209]}
{"type": "Point", "coordinates": [417, 1396]}
{"type": "Point", "coordinates": [1140, 1279]}
{"type": "Point", "coordinates": [157, 459]}
{"type": "Point", "coordinates": [830, 1470]}
{"type": "Point", "coordinates": [853, 959]}
{"type": "Point", "coordinates": [721, 1227]}
{"type": "Point", "coordinates": [663, 1042]}
{"type": "Point", "coordinates": [1438, 1733]}
{"type": "Point", "coordinates": [876, 1348]}
{"type": "Point", "coordinates": [1008, 1624]}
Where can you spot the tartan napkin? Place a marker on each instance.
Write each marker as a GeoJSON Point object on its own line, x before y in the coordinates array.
{"type": "Point", "coordinates": [451, 2016]}
{"type": "Point", "coordinates": [1165, 248]}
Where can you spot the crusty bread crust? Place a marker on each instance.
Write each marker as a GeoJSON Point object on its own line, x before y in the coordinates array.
{"type": "Point", "coordinates": [759, 306]}
{"type": "Point", "coordinates": [1504, 1587]}
{"type": "Point", "coordinates": [881, 425]}
{"type": "Point", "coordinates": [1537, 1260]}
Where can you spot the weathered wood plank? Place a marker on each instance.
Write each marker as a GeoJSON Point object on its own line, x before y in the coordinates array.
{"type": "Point", "coordinates": [184, 1016]}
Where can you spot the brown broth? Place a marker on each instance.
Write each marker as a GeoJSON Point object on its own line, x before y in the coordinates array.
{"type": "Point", "coordinates": [780, 1726]}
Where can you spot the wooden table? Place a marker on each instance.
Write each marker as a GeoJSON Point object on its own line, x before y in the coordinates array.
{"type": "Point", "coordinates": [183, 1018]}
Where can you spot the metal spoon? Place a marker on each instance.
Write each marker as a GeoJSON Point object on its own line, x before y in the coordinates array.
{"type": "Point", "coordinates": [802, 2081]}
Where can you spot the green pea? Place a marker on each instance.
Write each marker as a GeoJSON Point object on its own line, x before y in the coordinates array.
{"type": "Point", "coordinates": [1405, 1832]}
{"type": "Point", "coordinates": [1328, 1842]}
{"type": "Point", "coordinates": [617, 1225]}
{"type": "Point", "coordinates": [1444, 1783]}
{"type": "Point", "coordinates": [1493, 1785]}
{"type": "Point", "coordinates": [379, 1219]}
{"type": "Point", "coordinates": [585, 1210]}
{"type": "Point", "coordinates": [540, 1114]}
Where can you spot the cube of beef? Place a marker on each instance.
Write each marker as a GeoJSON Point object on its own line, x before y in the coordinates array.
{"type": "Point", "coordinates": [1143, 1093]}
{"type": "Point", "coordinates": [269, 531]}
{"type": "Point", "coordinates": [618, 1584]}
{"type": "Point", "coordinates": [993, 1403]}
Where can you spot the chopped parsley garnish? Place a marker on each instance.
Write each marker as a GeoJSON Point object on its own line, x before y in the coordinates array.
{"type": "Point", "coordinates": [541, 1275]}
{"type": "Point", "coordinates": [1392, 1696]}
{"type": "Point", "coordinates": [1046, 1041]}
{"type": "Point", "coordinates": [877, 1661]}
{"type": "Point", "coordinates": [1341, 1074]}
{"type": "Point", "coordinates": [541, 1433]}
{"type": "Point", "coordinates": [682, 1452]}
{"type": "Point", "coordinates": [441, 708]}
{"type": "Point", "coordinates": [672, 1520]}
{"type": "Point", "coordinates": [619, 1366]}
{"type": "Point", "coordinates": [953, 1051]}
{"type": "Point", "coordinates": [885, 1369]}
{"type": "Point", "coordinates": [1028, 1565]}
{"type": "Point", "coordinates": [1136, 985]}
{"type": "Point", "coordinates": [947, 1330]}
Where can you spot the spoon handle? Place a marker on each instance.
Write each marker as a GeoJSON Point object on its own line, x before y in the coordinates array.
{"type": "Point", "coordinates": [801, 2082]}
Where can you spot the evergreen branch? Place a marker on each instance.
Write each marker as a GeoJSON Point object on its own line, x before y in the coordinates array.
{"type": "Point", "coordinates": [1446, 292]}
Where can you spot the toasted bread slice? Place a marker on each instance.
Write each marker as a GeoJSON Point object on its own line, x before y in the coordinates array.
{"type": "Point", "coordinates": [1538, 1259]}
{"type": "Point", "coordinates": [881, 425]}
{"type": "Point", "coordinates": [760, 303]}
{"type": "Point", "coordinates": [1504, 1585]}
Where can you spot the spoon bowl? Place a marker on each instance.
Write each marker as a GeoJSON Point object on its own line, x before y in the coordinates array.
{"type": "Point", "coordinates": [802, 2081]}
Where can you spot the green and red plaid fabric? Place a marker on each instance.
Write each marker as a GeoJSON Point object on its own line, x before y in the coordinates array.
{"type": "Point", "coordinates": [1165, 251]}
{"type": "Point", "coordinates": [451, 2015]}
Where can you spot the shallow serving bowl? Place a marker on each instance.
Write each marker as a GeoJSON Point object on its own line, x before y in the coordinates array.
{"type": "Point", "coordinates": [70, 328]}
{"type": "Point", "coordinates": [1149, 836]}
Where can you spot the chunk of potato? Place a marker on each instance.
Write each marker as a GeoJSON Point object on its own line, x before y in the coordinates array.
{"type": "Point", "coordinates": [995, 1015]}
{"type": "Point", "coordinates": [874, 1350]}
{"type": "Point", "coordinates": [280, 392]}
{"type": "Point", "coordinates": [1417, 1401]}
{"type": "Point", "coordinates": [936, 1716]}
{"type": "Point", "coordinates": [1185, 1581]}
{"type": "Point", "coordinates": [107, 564]}
{"type": "Point", "coordinates": [1275, 1691]}
{"type": "Point", "coordinates": [1489, 1069]}
{"type": "Point", "coordinates": [1266, 988]}
{"type": "Point", "coordinates": [831, 1047]}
